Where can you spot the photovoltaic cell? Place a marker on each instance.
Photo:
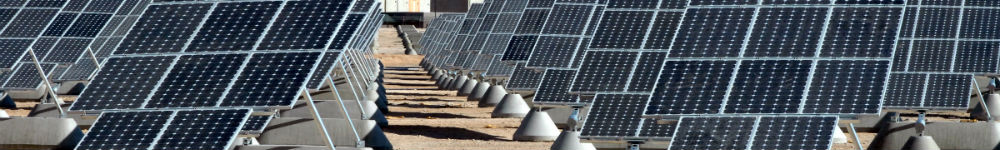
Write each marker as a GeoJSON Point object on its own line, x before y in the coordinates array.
{"type": "Point", "coordinates": [565, 19]}
{"type": "Point", "coordinates": [937, 22]}
{"type": "Point", "coordinates": [202, 129]}
{"type": "Point", "coordinates": [713, 133]}
{"type": "Point", "coordinates": [554, 87]}
{"type": "Point", "coordinates": [553, 51]}
{"type": "Point", "coordinates": [164, 29]}
{"type": "Point", "coordinates": [652, 129]}
{"type": "Point", "coordinates": [861, 32]}
{"type": "Point", "coordinates": [197, 81]}
{"type": "Point", "coordinates": [105, 92]}
{"type": "Point", "coordinates": [614, 115]}
{"type": "Point", "coordinates": [305, 25]}
{"type": "Point", "coordinates": [700, 33]}
{"type": "Point", "coordinates": [621, 30]}
{"type": "Point", "coordinates": [948, 91]}
{"type": "Point", "coordinates": [907, 90]}
{"type": "Point", "coordinates": [691, 87]}
{"type": "Point", "coordinates": [256, 123]}
{"type": "Point", "coordinates": [29, 23]}
{"type": "Point", "coordinates": [931, 55]}
{"type": "Point", "coordinates": [604, 71]}
{"type": "Point", "coordinates": [786, 32]}
{"type": "Point", "coordinates": [768, 86]}
{"type": "Point", "coordinates": [806, 132]}
{"type": "Point", "coordinates": [234, 26]}
{"type": "Point", "coordinates": [325, 66]}
{"type": "Point", "coordinates": [88, 25]}
{"type": "Point", "coordinates": [272, 79]}
{"type": "Point", "coordinates": [979, 23]}
{"type": "Point", "coordinates": [663, 30]}
{"type": "Point", "coordinates": [531, 21]}
{"type": "Point", "coordinates": [105, 6]}
{"type": "Point", "coordinates": [139, 129]}
{"type": "Point", "coordinates": [45, 3]}
{"type": "Point", "coordinates": [520, 47]}
{"type": "Point", "coordinates": [59, 25]}
{"type": "Point", "coordinates": [180, 129]}
{"type": "Point", "coordinates": [26, 76]}
{"type": "Point", "coordinates": [11, 50]}
{"type": "Point", "coordinates": [524, 78]}
{"type": "Point", "coordinates": [349, 28]}
{"type": "Point", "coordinates": [67, 50]}
{"type": "Point", "coordinates": [977, 56]}
{"type": "Point", "coordinates": [847, 87]}
{"type": "Point", "coordinates": [647, 68]}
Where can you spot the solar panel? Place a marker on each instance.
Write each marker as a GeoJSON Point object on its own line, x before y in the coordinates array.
{"type": "Point", "coordinates": [520, 47]}
{"type": "Point", "coordinates": [26, 76]}
{"type": "Point", "coordinates": [164, 29]}
{"type": "Point", "coordinates": [256, 123]}
{"type": "Point", "coordinates": [304, 25]}
{"type": "Point", "coordinates": [234, 26]}
{"type": "Point", "coordinates": [614, 115]}
{"type": "Point", "coordinates": [29, 23]}
{"type": "Point", "coordinates": [554, 87]}
{"type": "Point", "coordinates": [524, 78]}
{"type": "Point", "coordinates": [178, 129]}
{"type": "Point", "coordinates": [67, 50]}
{"type": "Point", "coordinates": [604, 71]}
{"type": "Point", "coordinates": [197, 81]}
{"type": "Point", "coordinates": [11, 50]}
{"type": "Point", "coordinates": [621, 30]}
{"type": "Point", "coordinates": [754, 132]}
{"type": "Point", "coordinates": [271, 79]}
{"type": "Point", "coordinates": [942, 45]}
{"type": "Point", "coordinates": [105, 92]}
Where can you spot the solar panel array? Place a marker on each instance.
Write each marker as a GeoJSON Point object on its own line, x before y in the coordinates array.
{"type": "Point", "coordinates": [59, 32]}
{"type": "Point", "coordinates": [723, 59]}
{"type": "Point", "coordinates": [176, 129]}
{"type": "Point", "coordinates": [755, 132]}
{"type": "Point", "coordinates": [941, 46]}
{"type": "Point", "coordinates": [181, 65]}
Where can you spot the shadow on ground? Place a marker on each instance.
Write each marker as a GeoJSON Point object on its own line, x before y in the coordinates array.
{"type": "Point", "coordinates": [425, 115]}
{"type": "Point", "coordinates": [442, 132]}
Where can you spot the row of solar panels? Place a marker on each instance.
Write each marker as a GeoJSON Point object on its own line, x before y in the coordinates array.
{"type": "Point", "coordinates": [679, 57]}
{"type": "Point", "coordinates": [165, 66]}
{"type": "Point", "coordinates": [67, 37]}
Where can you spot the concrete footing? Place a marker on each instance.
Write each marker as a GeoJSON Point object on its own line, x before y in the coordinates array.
{"type": "Point", "coordinates": [838, 136]}
{"type": "Point", "coordinates": [537, 126]}
{"type": "Point", "coordinates": [948, 135]}
{"type": "Point", "coordinates": [493, 96]}
{"type": "Point", "coordinates": [992, 102]}
{"type": "Point", "coordinates": [512, 106]}
{"type": "Point", "coordinates": [570, 140]}
{"type": "Point", "coordinates": [436, 74]}
{"type": "Point", "coordinates": [39, 133]}
{"type": "Point", "coordinates": [3, 114]}
{"type": "Point", "coordinates": [458, 82]}
{"type": "Point", "coordinates": [480, 90]}
{"type": "Point", "coordinates": [445, 83]}
{"type": "Point", "coordinates": [467, 87]}
{"type": "Point", "coordinates": [303, 131]}
{"type": "Point", "coordinates": [921, 143]}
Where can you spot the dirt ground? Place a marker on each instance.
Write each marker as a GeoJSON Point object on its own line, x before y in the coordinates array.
{"type": "Point", "coordinates": [430, 119]}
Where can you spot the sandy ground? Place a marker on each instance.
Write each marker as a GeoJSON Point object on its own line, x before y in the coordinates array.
{"type": "Point", "coordinates": [388, 41]}
{"type": "Point", "coordinates": [440, 120]}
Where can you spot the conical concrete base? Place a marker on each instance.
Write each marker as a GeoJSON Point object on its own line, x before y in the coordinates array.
{"type": "Point", "coordinates": [838, 136]}
{"type": "Point", "coordinates": [538, 127]}
{"type": "Point", "coordinates": [493, 96]}
{"type": "Point", "coordinates": [436, 74]}
{"type": "Point", "coordinates": [371, 95]}
{"type": "Point", "coordinates": [447, 81]}
{"type": "Point", "coordinates": [921, 143]}
{"type": "Point", "coordinates": [992, 102]}
{"type": "Point", "coordinates": [568, 140]}
{"type": "Point", "coordinates": [440, 80]}
{"type": "Point", "coordinates": [467, 88]}
{"type": "Point", "coordinates": [588, 146]}
{"type": "Point", "coordinates": [3, 114]}
{"type": "Point", "coordinates": [512, 106]}
{"type": "Point", "coordinates": [479, 91]}
{"type": "Point", "coordinates": [454, 85]}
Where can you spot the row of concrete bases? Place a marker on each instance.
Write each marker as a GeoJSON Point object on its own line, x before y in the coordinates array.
{"type": "Point", "coordinates": [894, 128]}
{"type": "Point", "coordinates": [537, 124]}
